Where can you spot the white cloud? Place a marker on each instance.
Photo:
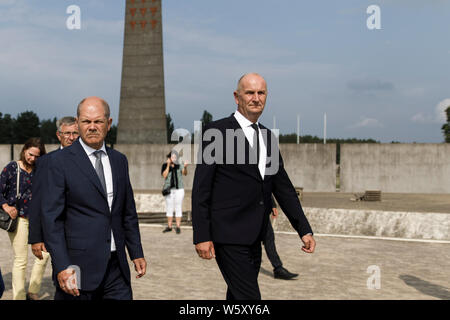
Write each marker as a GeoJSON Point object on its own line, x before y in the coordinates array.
{"type": "Point", "coordinates": [422, 118]}
{"type": "Point", "coordinates": [439, 116]}
{"type": "Point", "coordinates": [365, 122]}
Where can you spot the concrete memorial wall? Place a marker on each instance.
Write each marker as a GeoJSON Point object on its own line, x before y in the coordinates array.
{"type": "Point", "coordinates": [5, 155]}
{"type": "Point", "coordinates": [310, 166]}
{"type": "Point", "coordinates": [399, 168]}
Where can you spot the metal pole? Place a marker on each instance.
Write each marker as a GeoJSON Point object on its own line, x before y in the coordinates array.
{"type": "Point", "coordinates": [298, 128]}
{"type": "Point", "coordinates": [325, 128]}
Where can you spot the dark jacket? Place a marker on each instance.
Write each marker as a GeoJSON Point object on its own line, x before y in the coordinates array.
{"type": "Point", "coordinates": [76, 218]}
{"type": "Point", "coordinates": [38, 188]}
{"type": "Point", "coordinates": [231, 203]}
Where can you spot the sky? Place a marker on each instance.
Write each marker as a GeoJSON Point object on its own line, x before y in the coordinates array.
{"type": "Point", "coordinates": [388, 84]}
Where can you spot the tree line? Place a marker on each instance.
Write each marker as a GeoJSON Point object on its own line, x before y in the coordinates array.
{"type": "Point", "coordinates": [292, 137]}
{"type": "Point", "coordinates": [27, 124]}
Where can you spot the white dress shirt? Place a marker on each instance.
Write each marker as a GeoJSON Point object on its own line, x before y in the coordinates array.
{"type": "Point", "coordinates": [249, 132]}
{"type": "Point", "coordinates": [108, 177]}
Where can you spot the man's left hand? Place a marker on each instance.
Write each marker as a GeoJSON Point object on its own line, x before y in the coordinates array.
{"type": "Point", "coordinates": [275, 213]}
{"type": "Point", "coordinates": [309, 243]}
{"type": "Point", "coordinates": [37, 249]}
{"type": "Point", "coordinates": [140, 265]}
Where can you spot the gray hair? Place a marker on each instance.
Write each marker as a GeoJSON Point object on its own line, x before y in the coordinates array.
{"type": "Point", "coordinates": [66, 121]}
{"type": "Point", "coordinates": [105, 107]}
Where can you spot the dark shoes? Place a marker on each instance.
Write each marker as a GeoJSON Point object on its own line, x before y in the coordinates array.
{"type": "Point", "coordinates": [32, 296]}
{"type": "Point", "coordinates": [282, 273]}
{"type": "Point", "coordinates": [167, 229]}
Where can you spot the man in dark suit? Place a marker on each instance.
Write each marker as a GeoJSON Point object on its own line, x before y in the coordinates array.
{"type": "Point", "coordinates": [231, 195]}
{"type": "Point", "coordinates": [67, 133]}
{"type": "Point", "coordinates": [89, 215]}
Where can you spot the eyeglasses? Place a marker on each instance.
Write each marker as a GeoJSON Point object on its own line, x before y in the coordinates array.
{"type": "Point", "coordinates": [68, 134]}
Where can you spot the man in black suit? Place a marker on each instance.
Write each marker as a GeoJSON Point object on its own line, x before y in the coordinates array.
{"type": "Point", "coordinates": [67, 133]}
{"type": "Point", "coordinates": [239, 167]}
{"type": "Point", "coordinates": [89, 214]}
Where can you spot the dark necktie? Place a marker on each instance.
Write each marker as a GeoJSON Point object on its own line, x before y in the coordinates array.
{"type": "Point", "coordinates": [256, 128]}
{"type": "Point", "coordinates": [99, 168]}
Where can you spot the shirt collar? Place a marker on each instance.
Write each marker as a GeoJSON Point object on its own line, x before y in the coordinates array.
{"type": "Point", "coordinates": [243, 121]}
{"type": "Point", "coordinates": [89, 151]}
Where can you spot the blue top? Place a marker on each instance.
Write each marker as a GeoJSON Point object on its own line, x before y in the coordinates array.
{"type": "Point", "coordinates": [8, 181]}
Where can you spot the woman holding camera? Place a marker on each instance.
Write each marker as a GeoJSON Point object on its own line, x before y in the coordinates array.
{"type": "Point", "coordinates": [172, 171]}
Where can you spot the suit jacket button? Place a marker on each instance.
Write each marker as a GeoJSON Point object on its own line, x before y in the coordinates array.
{"type": "Point", "coordinates": [108, 241]}
{"type": "Point", "coordinates": [261, 202]}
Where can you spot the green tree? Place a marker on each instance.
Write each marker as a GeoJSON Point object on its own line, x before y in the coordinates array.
{"type": "Point", "coordinates": [170, 127]}
{"type": "Point", "coordinates": [26, 126]}
{"type": "Point", "coordinates": [111, 137]}
{"type": "Point", "coordinates": [446, 126]}
{"type": "Point", "coordinates": [206, 118]}
{"type": "Point", "coordinates": [48, 131]}
{"type": "Point", "coordinates": [6, 129]}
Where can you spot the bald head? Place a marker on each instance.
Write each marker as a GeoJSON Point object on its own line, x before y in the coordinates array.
{"type": "Point", "coordinates": [249, 77]}
{"type": "Point", "coordinates": [94, 101]}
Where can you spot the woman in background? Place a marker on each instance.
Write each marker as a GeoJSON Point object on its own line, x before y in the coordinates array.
{"type": "Point", "coordinates": [32, 149]}
{"type": "Point", "coordinates": [172, 171]}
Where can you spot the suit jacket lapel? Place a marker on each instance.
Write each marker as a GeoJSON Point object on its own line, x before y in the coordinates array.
{"type": "Point", "coordinates": [267, 137]}
{"type": "Point", "coordinates": [114, 168]}
{"type": "Point", "coordinates": [86, 167]}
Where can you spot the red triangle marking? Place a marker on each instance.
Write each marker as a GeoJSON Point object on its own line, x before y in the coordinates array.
{"type": "Point", "coordinates": [133, 11]}
{"type": "Point", "coordinates": [154, 22]}
{"type": "Point", "coordinates": [143, 11]}
{"type": "Point", "coordinates": [133, 23]}
{"type": "Point", "coordinates": [153, 10]}
{"type": "Point", "coordinates": [143, 23]}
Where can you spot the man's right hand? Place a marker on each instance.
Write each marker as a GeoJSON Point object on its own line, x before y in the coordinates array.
{"type": "Point", "coordinates": [37, 249]}
{"type": "Point", "coordinates": [67, 280]}
{"type": "Point", "coordinates": [12, 211]}
{"type": "Point", "coordinates": [205, 250]}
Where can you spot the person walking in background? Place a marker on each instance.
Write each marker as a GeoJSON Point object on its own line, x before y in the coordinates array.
{"type": "Point", "coordinates": [172, 172]}
{"type": "Point", "coordinates": [18, 208]}
{"type": "Point", "coordinates": [279, 272]}
{"type": "Point", "coordinates": [67, 133]}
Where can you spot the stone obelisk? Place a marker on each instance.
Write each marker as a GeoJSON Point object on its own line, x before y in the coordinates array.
{"type": "Point", "coordinates": [142, 113]}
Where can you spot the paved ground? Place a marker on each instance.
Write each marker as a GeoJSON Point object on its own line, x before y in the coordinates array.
{"type": "Point", "coordinates": [338, 269]}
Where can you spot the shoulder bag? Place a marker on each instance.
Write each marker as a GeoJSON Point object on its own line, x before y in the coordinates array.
{"type": "Point", "coordinates": [6, 222]}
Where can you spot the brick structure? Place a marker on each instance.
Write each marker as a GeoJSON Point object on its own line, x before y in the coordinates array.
{"type": "Point", "coordinates": [142, 114]}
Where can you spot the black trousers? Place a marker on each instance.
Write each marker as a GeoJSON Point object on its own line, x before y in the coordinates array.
{"type": "Point", "coordinates": [240, 265]}
{"type": "Point", "coordinates": [113, 286]}
{"type": "Point", "coordinates": [269, 246]}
